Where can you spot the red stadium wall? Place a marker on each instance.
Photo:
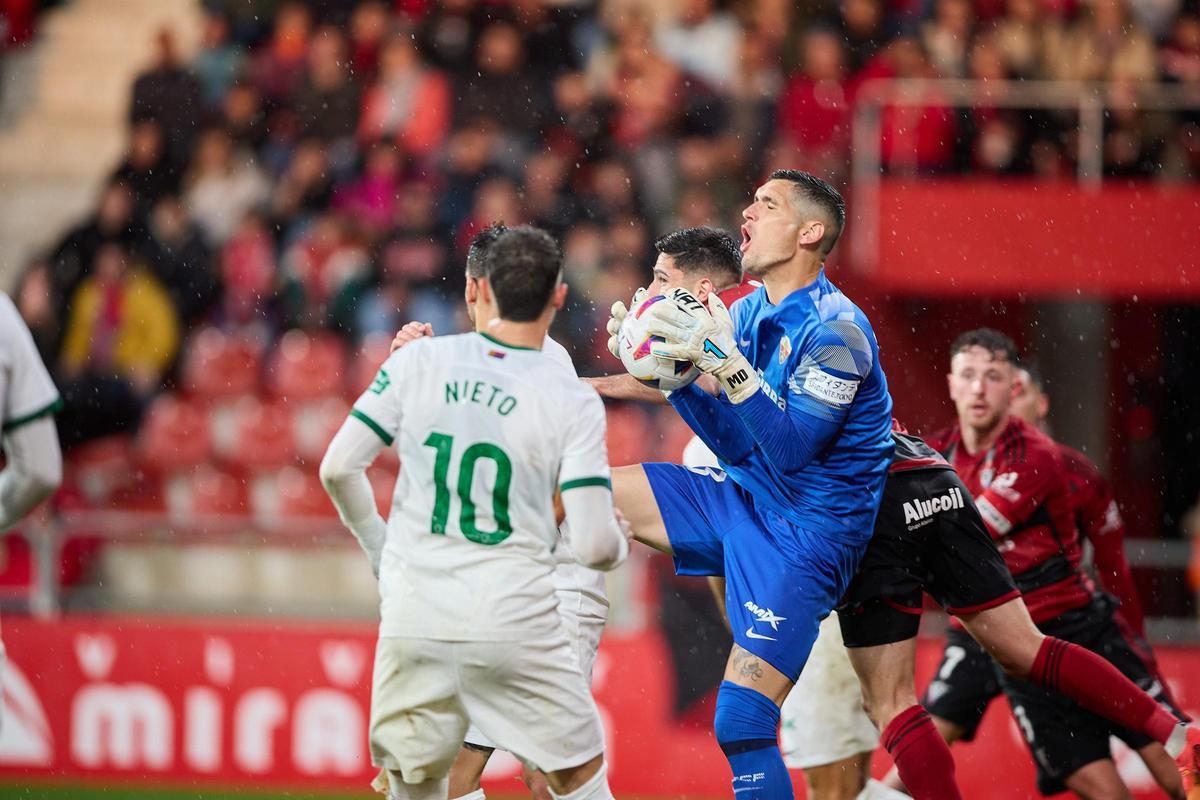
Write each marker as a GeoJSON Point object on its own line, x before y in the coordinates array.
{"type": "Point", "coordinates": [970, 238]}
{"type": "Point", "coordinates": [258, 704]}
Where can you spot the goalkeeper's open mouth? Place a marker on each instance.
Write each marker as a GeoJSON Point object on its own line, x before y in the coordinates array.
{"type": "Point", "coordinates": [745, 239]}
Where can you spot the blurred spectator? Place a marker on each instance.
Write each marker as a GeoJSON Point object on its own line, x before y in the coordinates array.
{"type": "Point", "coordinates": [243, 116]}
{"type": "Point", "coordinates": [545, 198]}
{"type": "Point", "coordinates": [1181, 54]}
{"type": "Point", "coordinates": [861, 23]}
{"type": "Point", "coordinates": [368, 29]}
{"type": "Point", "coordinates": [35, 299]}
{"type": "Point", "coordinates": [371, 200]}
{"type": "Point", "coordinates": [448, 34]}
{"type": "Point", "coordinates": [328, 102]}
{"type": "Point", "coordinates": [323, 274]}
{"type": "Point", "coordinates": [279, 66]}
{"type": "Point", "coordinates": [703, 42]}
{"type": "Point", "coordinates": [178, 257]}
{"type": "Point", "coordinates": [248, 273]}
{"type": "Point", "coordinates": [502, 88]}
{"type": "Point", "coordinates": [121, 337]}
{"type": "Point", "coordinates": [1103, 44]}
{"type": "Point", "coordinates": [75, 254]}
{"type": "Point", "coordinates": [409, 102]}
{"type": "Point", "coordinates": [221, 186]}
{"type": "Point", "coordinates": [304, 189]}
{"type": "Point", "coordinates": [169, 95]}
{"type": "Point", "coordinates": [815, 111]}
{"type": "Point", "coordinates": [1020, 37]}
{"type": "Point", "coordinates": [915, 137]}
{"type": "Point", "coordinates": [219, 62]}
{"type": "Point", "coordinates": [947, 37]}
{"type": "Point", "coordinates": [146, 170]}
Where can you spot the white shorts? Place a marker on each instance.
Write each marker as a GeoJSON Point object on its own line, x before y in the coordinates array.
{"type": "Point", "coordinates": [527, 696]}
{"type": "Point", "coordinates": [583, 619]}
{"type": "Point", "coordinates": [823, 718]}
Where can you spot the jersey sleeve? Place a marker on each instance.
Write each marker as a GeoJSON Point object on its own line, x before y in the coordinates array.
{"type": "Point", "coordinates": [585, 451]}
{"type": "Point", "coordinates": [29, 393]}
{"type": "Point", "coordinates": [378, 407]}
{"type": "Point", "coordinates": [1025, 476]}
{"type": "Point", "coordinates": [836, 358]}
{"type": "Point", "coordinates": [559, 355]}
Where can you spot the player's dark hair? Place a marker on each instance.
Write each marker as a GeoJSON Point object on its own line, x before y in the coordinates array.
{"type": "Point", "coordinates": [523, 265]}
{"type": "Point", "coordinates": [710, 251]}
{"type": "Point", "coordinates": [476, 254]}
{"type": "Point", "coordinates": [821, 194]}
{"type": "Point", "coordinates": [1000, 346]}
{"type": "Point", "coordinates": [1036, 376]}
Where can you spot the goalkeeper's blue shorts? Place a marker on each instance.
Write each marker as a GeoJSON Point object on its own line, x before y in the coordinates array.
{"type": "Point", "coordinates": [781, 580]}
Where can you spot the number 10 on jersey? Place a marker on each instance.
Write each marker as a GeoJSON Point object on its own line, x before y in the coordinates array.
{"type": "Point", "coordinates": [443, 445]}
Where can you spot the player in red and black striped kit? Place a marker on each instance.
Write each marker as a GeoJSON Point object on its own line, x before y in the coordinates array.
{"type": "Point", "coordinates": [1017, 477]}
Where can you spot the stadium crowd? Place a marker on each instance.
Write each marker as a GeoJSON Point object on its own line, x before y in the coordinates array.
{"type": "Point", "coordinates": [322, 165]}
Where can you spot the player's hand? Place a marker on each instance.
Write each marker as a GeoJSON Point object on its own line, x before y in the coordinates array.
{"type": "Point", "coordinates": [705, 337]}
{"type": "Point", "coordinates": [410, 333]}
{"type": "Point", "coordinates": [616, 317]}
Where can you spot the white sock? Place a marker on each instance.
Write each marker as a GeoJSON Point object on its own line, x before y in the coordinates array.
{"type": "Point", "coordinates": [475, 795]}
{"type": "Point", "coordinates": [1176, 741]}
{"type": "Point", "coordinates": [877, 791]}
{"type": "Point", "coordinates": [435, 789]}
{"type": "Point", "coordinates": [596, 788]}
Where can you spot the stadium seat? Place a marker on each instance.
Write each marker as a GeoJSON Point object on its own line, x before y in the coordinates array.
{"type": "Point", "coordinates": [206, 491]}
{"type": "Point", "coordinates": [262, 435]}
{"type": "Point", "coordinates": [174, 435]}
{"type": "Point", "coordinates": [674, 435]}
{"type": "Point", "coordinates": [300, 494]}
{"type": "Point", "coordinates": [383, 484]}
{"type": "Point", "coordinates": [371, 354]}
{"type": "Point", "coordinates": [217, 365]}
{"type": "Point", "coordinates": [102, 467]}
{"type": "Point", "coordinates": [304, 367]}
{"type": "Point", "coordinates": [314, 425]}
{"type": "Point", "coordinates": [629, 438]}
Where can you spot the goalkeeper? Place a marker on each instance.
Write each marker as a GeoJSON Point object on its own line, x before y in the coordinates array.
{"type": "Point", "coordinates": [801, 426]}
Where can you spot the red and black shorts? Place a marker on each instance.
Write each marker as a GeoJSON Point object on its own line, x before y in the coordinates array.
{"type": "Point", "coordinates": [928, 537]}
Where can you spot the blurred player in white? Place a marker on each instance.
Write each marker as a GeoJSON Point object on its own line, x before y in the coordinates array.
{"type": "Point", "coordinates": [582, 593]}
{"type": "Point", "coordinates": [28, 400]}
{"type": "Point", "coordinates": [487, 426]}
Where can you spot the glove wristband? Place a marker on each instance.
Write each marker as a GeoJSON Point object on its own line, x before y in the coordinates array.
{"type": "Point", "coordinates": [738, 378]}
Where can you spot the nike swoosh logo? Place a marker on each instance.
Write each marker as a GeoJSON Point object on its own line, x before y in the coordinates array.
{"type": "Point", "coordinates": [750, 632]}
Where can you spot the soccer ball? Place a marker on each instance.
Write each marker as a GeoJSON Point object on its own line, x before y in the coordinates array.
{"type": "Point", "coordinates": [633, 344]}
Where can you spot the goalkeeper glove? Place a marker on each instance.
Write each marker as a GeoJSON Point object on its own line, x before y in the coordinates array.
{"type": "Point", "coordinates": [617, 316]}
{"type": "Point", "coordinates": [705, 337]}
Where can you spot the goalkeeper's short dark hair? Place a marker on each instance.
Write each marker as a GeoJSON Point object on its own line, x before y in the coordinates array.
{"type": "Point", "coordinates": [709, 252]}
{"type": "Point", "coordinates": [1000, 346]}
{"type": "Point", "coordinates": [820, 194]}
{"type": "Point", "coordinates": [476, 254]}
{"type": "Point", "coordinates": [523, 266]}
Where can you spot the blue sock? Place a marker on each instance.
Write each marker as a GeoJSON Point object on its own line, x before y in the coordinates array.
{"type": "Point", "coordinates": [747, 728]}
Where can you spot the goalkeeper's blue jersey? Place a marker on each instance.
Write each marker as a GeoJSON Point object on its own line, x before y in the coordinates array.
{"type": "Point", "coordinates": [818, 362]}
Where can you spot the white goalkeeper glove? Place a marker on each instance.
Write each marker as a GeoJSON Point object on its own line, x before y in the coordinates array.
{"type": "Point", "coordinates": [705, 337]}
{"type": "Point", "coordinates": [617, 316]}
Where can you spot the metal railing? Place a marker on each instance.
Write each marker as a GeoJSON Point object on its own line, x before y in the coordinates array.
{"type": "Point", "coordinates": [1090, 100]}
{"type": "Point", "coordinates": [47, 536]}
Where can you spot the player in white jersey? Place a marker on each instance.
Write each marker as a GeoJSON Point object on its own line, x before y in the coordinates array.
{"type": "Point", "coordinates": [28, 400]}
{"type": "Point", "coordinates": [582, 593]}
{"type": "Point", "coordinates": [487, 427]}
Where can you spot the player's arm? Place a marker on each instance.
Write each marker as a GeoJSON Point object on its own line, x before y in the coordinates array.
{"type": "Point", "coordinates": [1101, 523]}
{"type": "Point", "coordinates": [372, 425]}
{"type": "Point", "coordinates": [836, 358]}
{"type": "Point", "coordinates": [594, 532]}
{"type": "Point", "coordinates": [33, 469]}
{"type": "Point", "coordinates": [627, 387]}
{"type": "Point", "coordinates": [1020, 487]}
{"type": "Point", "coordinates": [28, 400]}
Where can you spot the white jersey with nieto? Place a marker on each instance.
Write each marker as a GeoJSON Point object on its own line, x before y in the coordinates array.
{"type": "Point", "coordinates": [486, 433]}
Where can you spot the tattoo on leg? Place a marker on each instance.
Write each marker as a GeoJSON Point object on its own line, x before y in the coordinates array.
{"type": "Point", "coordinates": [747, 664]}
